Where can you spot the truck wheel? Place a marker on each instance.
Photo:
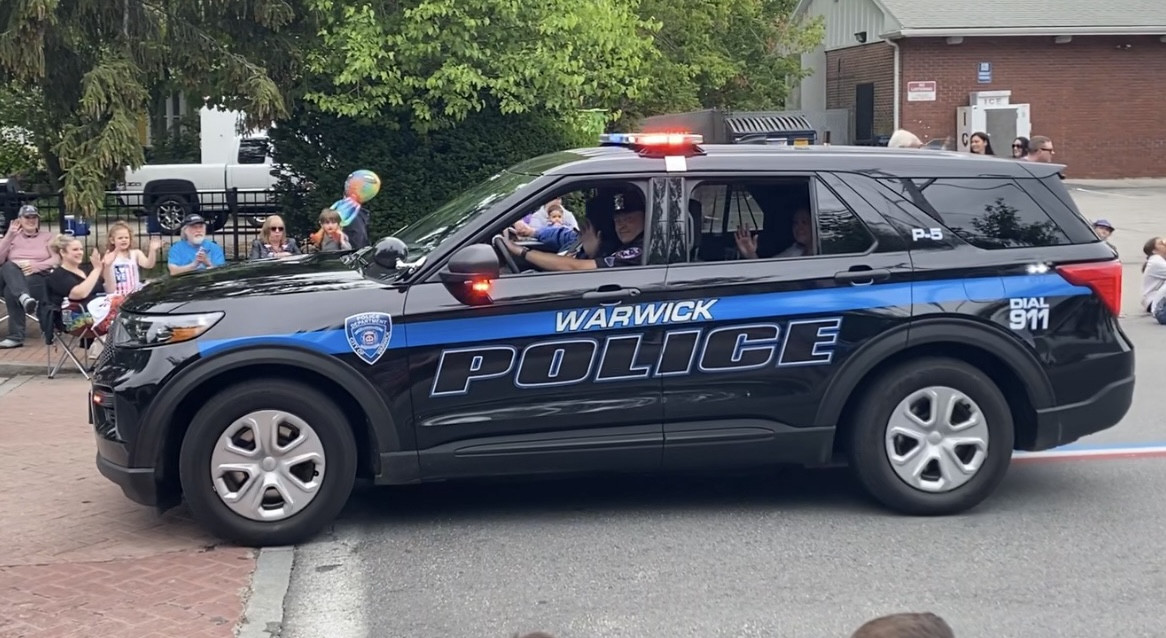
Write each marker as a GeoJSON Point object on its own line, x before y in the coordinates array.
{"type": "Point", "coordinates": [170, 210]}
{"type": "Point", "coordinates": [267, 462]}
{"type": "Point", "coordinates": [256, 221]}
{"type": "Point", "coordinates": [931, 437]}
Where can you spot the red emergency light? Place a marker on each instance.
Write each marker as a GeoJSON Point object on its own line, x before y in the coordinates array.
{"type": "Point", "coordinates": [656, 144]}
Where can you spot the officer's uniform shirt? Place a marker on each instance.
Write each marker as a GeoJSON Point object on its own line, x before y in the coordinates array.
{"type": "Point", "coordinates": [629, 254]}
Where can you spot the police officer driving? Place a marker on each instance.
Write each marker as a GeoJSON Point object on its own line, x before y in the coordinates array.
{"type": "Point", "coordinates": [628, 217]}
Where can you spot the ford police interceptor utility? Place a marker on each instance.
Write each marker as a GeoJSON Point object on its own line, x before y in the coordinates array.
{"type": "Point", "coordinates": [917, 314]}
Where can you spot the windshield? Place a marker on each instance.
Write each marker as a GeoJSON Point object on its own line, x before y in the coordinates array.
{"type": "Point", "coordinates": [427, 233]}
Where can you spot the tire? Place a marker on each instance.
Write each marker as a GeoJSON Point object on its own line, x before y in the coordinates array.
{"type": "Point", "coordinates": [871, 448]}
{"type": "Point", "coordinates": [256, 221]}
{"type": "Point", "coordinates": [333, 441]}
{"type": "Point", "coordinates": [169, 210]}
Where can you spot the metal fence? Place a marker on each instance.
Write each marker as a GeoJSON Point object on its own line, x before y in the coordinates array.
{"type": "Point", "coordinates": [234, 217]}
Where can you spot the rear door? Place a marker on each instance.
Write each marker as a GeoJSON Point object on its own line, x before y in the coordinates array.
{"type": "Point", "coordinates": [555, 375]}
{"type": "Point", "coordinates": [746, 385]}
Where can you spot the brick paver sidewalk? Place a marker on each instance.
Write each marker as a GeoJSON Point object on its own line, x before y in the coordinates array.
{"type": "Point", "coordinates": [33, 357]}
{"type": "Point", "coordinates": [79, 559]}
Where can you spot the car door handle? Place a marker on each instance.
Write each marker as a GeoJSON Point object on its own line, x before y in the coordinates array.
{"type": "Point", "coordinates": [862, 275]}
{"type": "Point", "coordinates": [608, 294]}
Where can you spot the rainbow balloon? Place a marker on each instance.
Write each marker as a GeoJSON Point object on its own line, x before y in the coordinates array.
{"type": "Point", "coordinates": [359, 188]}
{"type": "Point", "coordinates": [362, 186]}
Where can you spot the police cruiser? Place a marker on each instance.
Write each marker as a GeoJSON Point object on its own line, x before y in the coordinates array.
{"type": "Point", "coordinates": [649, 304]}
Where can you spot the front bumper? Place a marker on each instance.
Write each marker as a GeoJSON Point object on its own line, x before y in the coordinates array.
{"type": "Point", "coordinates": [1066, 423]}
{"type": "Point", "coordinates": [139, 484]}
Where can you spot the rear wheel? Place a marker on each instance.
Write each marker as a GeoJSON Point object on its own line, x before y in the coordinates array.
{"type": "Point", "coordinates": [267, 463]}
{"type": "Point", "coordinates": [931, 437]}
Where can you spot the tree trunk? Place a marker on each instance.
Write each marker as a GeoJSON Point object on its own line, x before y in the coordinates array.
{"type": "Point", "coordinates": [52, 165]}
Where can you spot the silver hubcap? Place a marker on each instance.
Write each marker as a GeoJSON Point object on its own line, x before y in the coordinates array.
{"type": "Point", "coordinates": [268, 465]}
{"type": "Point", "coordinates": [937, 439]}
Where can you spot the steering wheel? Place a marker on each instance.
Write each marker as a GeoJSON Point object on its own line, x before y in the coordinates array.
{"type": "Point", "coordinates": [500, 247]}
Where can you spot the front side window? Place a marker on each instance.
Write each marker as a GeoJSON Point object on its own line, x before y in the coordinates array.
{"type": "Point", "coordinates": [585, 226]}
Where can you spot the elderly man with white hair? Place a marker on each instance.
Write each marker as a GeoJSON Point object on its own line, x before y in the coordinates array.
{"type": "Point", "coordinates": [904, 139]}
{"type": "Point", "coordinates": [195, 251]}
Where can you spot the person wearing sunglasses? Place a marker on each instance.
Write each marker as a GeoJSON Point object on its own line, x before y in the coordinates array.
{"type": "Point", "coordinates": [273, 242]}
{"type": "Point", "coordinates": [1040, 149]}
{"type": "Point", "coordinates": [1020, 148]}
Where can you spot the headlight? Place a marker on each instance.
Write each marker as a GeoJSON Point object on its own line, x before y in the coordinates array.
{"type": "Point", "coordinates": [142, 331]}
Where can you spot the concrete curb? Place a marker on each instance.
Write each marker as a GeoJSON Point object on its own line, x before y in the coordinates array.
{"type": "Point", "coordinates": [35, 369]}
{"type": "Point", "coordinates": [263, 616]}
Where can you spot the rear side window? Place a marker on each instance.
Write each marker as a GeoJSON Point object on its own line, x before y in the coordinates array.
{"type": "Point", "coordinates": [990, 213]}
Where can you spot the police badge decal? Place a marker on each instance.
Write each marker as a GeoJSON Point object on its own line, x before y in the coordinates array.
{"type": "Point", "coordinates": [368, 335]}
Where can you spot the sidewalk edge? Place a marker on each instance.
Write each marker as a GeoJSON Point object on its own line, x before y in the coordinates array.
{"type": "Point", "coordinates": [8, 368]}
{"type": "Point", "coordinates": [263, 613]}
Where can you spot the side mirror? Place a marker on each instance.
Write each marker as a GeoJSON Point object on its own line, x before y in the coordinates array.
{"type": "Point", "coordinates": [389, 251]}
{"type": "Point", "coordinates": [470, 272]}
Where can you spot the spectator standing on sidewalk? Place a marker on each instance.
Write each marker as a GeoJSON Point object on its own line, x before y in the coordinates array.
{"type": "Point", "coordinates": [1020, 148]}
{"type": "Point", "coordinates": [1040, 149]}
{"type": "Point", "coordinates": [907, 625]}
{"type": "Point", "coordinates": [980, 144]}
{"type": "Point", "coordinates": [25, 259]}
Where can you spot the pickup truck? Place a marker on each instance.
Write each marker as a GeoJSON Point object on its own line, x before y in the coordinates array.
{"type": "Point", "coordinates": [168, 192]}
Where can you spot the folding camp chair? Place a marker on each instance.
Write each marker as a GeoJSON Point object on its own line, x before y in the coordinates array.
{"type": "Point", "coordinates": [67, 338]}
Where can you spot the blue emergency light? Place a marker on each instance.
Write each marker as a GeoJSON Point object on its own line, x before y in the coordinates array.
{"type": "Point", "coordinates": [656, 144]}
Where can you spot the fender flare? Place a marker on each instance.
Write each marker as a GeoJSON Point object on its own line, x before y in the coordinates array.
{"type": "Point", "coordinates": [382, 429]}
{"type": "Point", "coordinates": [160, 187]}
{"type": "Point", "coordinates": [964, 332]}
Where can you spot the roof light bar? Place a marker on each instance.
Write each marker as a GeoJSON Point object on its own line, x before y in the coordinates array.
{"type": "Point", "coordinates": [651, 139]}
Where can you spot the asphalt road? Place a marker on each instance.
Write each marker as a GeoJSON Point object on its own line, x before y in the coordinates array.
{"type": "Point", "coordinates": [1065, 548]}
{"type": "Point", "coordinates": [1073, 547]}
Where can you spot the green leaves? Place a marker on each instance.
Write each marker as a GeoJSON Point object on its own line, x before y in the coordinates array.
{"type": "Point", "coordinates": [441, 60]}
{"type": "Point", "coordinates": [95, 66]}
{"type": "Point", "coordinates": [737, 54]}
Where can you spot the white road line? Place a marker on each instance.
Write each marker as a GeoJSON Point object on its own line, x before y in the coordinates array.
{"type": "Point", "coordinates": [1132, 451]}
{"type": "Point", "coordinates": [1105, 193]}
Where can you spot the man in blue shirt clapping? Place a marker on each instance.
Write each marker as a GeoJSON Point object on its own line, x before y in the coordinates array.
{"type": "Point", "coordinates": [194, 251]}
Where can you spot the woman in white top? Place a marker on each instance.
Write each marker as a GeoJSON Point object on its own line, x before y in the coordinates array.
{"type": "Point", "coordinates": [1154, 273]}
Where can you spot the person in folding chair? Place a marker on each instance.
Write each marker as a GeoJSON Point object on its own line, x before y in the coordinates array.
{"type": "Point", "coordinates": [79, 309]}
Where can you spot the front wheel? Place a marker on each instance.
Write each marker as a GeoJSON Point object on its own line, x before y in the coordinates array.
{"type": "Point", "coordinates": [931, 437]}
{"type": "Point", "coordinates": [267, 463]}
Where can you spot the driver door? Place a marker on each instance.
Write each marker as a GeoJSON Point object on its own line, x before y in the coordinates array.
{"type": "Point", "coordinates": [557, 374]}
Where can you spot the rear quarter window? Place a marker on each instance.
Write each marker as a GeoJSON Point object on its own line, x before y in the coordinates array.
{"type": "Point", "coordinates": [989, 213]}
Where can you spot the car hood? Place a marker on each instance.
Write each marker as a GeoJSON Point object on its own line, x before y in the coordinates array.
{"type": "Point", "coordinates": [207, 289]}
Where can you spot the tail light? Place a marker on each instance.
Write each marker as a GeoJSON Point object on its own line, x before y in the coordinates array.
{"type": "Point", "coordinates": [1104, 278]}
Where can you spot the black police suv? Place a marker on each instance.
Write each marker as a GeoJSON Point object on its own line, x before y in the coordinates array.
{"type": "Point", "coordinates": [648, 304]}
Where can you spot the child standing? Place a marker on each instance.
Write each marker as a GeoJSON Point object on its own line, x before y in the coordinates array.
{"type": "Point", "coordinates": [330, 238]}
{"type": "Point", "coordinates": [124, 271]}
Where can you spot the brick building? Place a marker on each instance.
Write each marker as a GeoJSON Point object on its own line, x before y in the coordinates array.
{"type": "Point", "coordinates": [1092, 75]}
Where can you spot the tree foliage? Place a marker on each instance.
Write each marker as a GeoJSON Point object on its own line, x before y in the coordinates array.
{"type": "Point", "coordinates": [735, 54]}
{"type": "Point", "coordinates": [18, 155]}
{"type": "Point", "coordinates": [440, 60]}
{"type": "Point", "coordinates": [91, 65]}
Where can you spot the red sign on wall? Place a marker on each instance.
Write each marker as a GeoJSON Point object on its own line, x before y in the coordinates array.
{"type": "Point", "coordinates": [921, 91]}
